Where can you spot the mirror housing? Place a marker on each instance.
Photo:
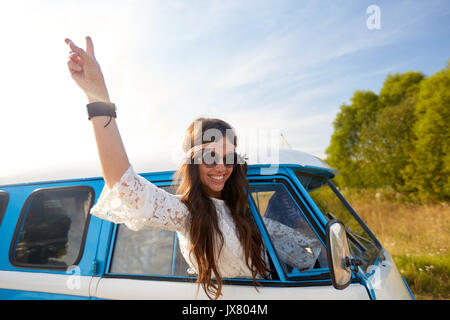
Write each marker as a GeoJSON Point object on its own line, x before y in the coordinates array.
{"type": "Point", "coordinates": [338, 254]}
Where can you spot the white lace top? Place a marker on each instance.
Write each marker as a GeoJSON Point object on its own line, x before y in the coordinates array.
{"type": "Point", "coordinates": [138, 203]}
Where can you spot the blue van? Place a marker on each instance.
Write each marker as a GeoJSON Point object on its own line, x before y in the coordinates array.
{"type": "Point", "coordinates": [52, 248]}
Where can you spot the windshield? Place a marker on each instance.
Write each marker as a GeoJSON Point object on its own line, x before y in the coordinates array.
{"type": "Point", "coordinates": [325, 196]}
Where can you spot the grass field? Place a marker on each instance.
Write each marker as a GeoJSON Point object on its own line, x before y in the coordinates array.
{"type": "Point", "coordinates": [416, 235]}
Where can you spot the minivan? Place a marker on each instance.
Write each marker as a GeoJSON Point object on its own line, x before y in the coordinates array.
{"type": "Point", "coordinates": [51, 247]}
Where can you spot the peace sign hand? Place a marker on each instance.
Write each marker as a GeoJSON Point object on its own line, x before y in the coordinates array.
{"type": "Point", "coordinates": [86, 72]}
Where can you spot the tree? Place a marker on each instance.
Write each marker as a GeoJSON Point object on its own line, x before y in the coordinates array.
{"type": "Point", "coordinates": [398, 87]}
{"type": "Point", "coordinates": [343, 153]}
{"type": "Point", "coordinates": [398, 139]}
{"type": "Point", "coordinates": [386, 142]}
{"type": "Point", "coordinates": [429, 170]}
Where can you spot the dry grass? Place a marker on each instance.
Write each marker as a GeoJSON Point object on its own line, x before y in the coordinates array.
{"type": "Point", "coordinates": [416, 235]}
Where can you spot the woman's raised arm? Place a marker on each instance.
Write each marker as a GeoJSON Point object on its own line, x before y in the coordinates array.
{"type": "Point", "coordinates": [86, 72]}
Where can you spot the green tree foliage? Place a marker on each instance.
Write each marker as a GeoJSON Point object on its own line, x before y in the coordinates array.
{"type": "Point", "coordinates": [399, 87]}
{"type": "Point", "coordinates": [399, 139]}
{"type": "Point", "coordinates": [344, 150]}
{"type": "Point", "coordinates": [429, 169]}
{"type": "Point", "coordinates": [387, 141]}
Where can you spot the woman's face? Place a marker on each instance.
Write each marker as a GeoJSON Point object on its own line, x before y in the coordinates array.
{"type": "Point", "coordinates": [213, 177]}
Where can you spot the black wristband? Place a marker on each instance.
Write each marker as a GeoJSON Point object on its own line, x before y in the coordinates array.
{"type": "Point", "coordinates": [99, 108]}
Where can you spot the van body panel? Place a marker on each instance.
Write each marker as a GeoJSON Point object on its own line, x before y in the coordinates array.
{"type": "Point", "coordinates": [124, 289]}
{"type": "Point", "coordinates": [48, 283]}
{"type": "Point", "coordinates": [386, 282]}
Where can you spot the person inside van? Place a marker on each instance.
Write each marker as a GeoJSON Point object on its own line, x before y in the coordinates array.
{"type": "Point", "coordinates": [217, 234]}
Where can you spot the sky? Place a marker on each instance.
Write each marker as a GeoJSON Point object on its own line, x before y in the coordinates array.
{"type": "Point", "coordinates": [282, 67]}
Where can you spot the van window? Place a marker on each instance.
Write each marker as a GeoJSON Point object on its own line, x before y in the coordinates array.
{"type": "Point", "coordinates": [52, 228]}
{"type": "Point", "coordinates": [297, 246]}
{"type": "Point", "coordinates": [155, 252]}
{"type": "Point", "coordinates": [150, 251]}
{"type": "Point", "coordinates": [325, 196]}
{"type": "Point", "coordinates": [4, 197]}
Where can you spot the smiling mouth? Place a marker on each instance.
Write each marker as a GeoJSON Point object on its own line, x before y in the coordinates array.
{"type": "Point", "coordinates": [217, 179]}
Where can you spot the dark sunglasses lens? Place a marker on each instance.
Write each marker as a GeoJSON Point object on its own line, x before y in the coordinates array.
{"type": "Point", "coordinates": [209, 158]}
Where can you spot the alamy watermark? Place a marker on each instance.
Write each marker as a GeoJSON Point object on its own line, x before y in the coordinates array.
{"type": "Point", "coordinates": [373, 22]}
{"type": "Point", "coordinates": [73, 282]}
{"type": "Point", "coordinates": [377, 275]}
{"type": "Point", "coordinates": [211, 146]}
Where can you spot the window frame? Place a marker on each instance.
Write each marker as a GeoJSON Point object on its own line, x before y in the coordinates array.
{"type": "Point", "coordinates": [21, 218]}
{"type": "Point", "coordinates": [3, 194]}
{"type": "Point", "coordinates": [312, 279]}
{"type": "Point", "coordinates": [163, 184]}
{"type": "Point", "coordinates": [314, 274]}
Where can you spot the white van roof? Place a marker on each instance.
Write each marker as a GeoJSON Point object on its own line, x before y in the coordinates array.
{"type": "Point", "coordinates": [158, 163]}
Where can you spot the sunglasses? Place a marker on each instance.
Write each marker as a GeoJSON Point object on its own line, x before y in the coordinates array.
{"type": "Point", "coordinates": [210, 159]}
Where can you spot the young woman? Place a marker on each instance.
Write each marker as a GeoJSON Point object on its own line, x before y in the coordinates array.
{"type": "Point", "coordinates": [217, 233]}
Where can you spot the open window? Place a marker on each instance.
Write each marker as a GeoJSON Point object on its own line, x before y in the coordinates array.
{"type": "Point", "coordinates": [148, 252]}
{"type": "Point", "coordinates": [155, 252]}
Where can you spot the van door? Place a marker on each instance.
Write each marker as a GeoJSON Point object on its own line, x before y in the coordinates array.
{"type": "Point", "coordinates": [148, 264]}
{"type": "Point", "coordinates": [377, 270]}
{"type": "Point", "coordinates": [296, 241]}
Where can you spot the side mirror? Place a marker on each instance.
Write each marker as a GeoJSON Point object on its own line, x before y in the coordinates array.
{"type": "Point", "coordinates": [338, 254]}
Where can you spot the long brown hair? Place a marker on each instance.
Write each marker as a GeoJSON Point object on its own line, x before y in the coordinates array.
{"type": "Point", "coordinates": [203, 225]}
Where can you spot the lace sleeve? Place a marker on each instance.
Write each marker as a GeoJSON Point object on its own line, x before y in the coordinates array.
{"type": "Point", "coordinates": [138, 203]}
{"type": "Point", "coordinates": [293, 247]}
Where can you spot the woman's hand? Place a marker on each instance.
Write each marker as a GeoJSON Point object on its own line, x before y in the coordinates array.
{"type": "Point", "coordinates": [86, 71]}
